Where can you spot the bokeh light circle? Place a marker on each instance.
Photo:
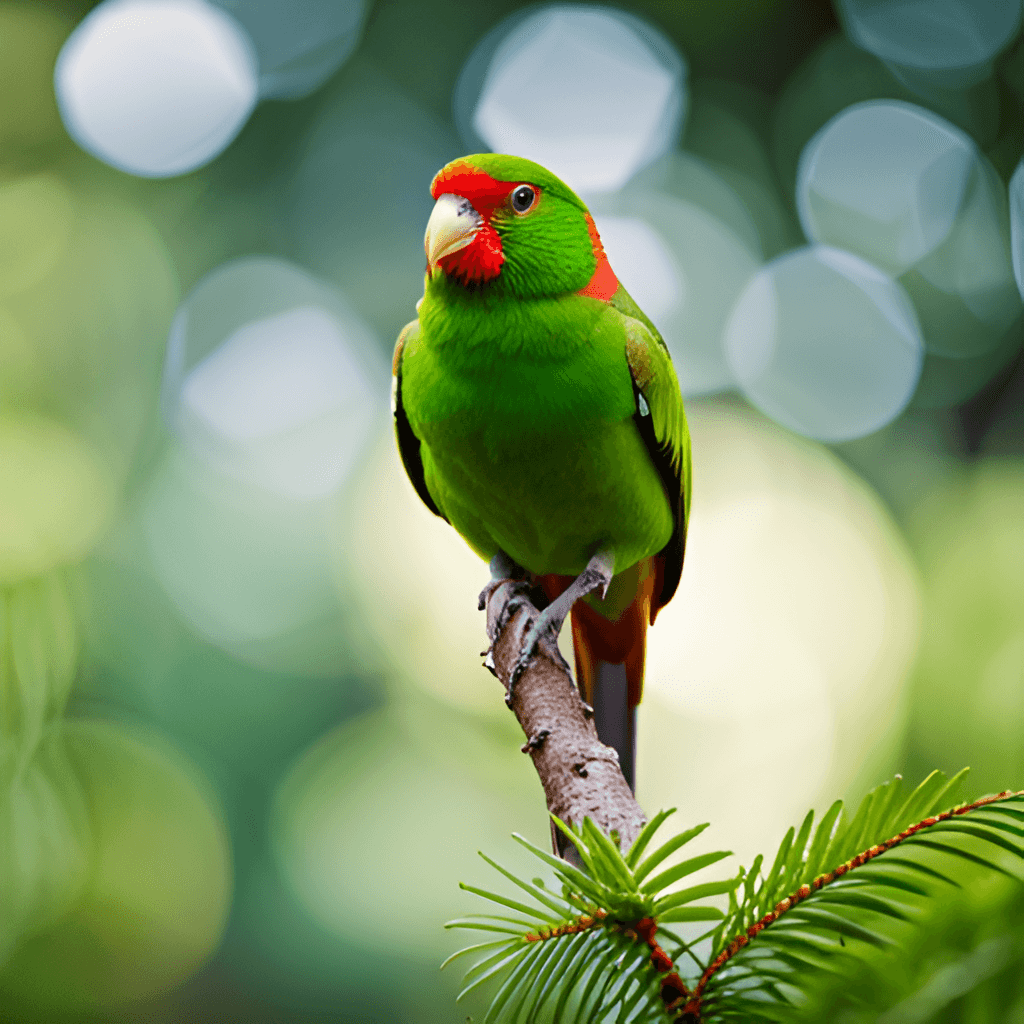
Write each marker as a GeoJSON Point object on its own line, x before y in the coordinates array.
{"type": "Point", "coordinates": [247, 569]}
{"type": "Point", "coordinates": [82, 334]}
{"type": "Point", "coordinates": [885, 180]}
{"type": "Point", "coordinates": [272, 377]}
{"type": "Point", "coordinates": [956, 39]}
{"type": "Point", "coordinates": [825, 343]}
{"type": "Point", "coordinates": [298, 44]}
{"type": "Point", "coordinates": [685, 267]}
{"type": "Point", "coordinates": [910, 192]}
{"type": "Point", "coordinates": [591, 93]}
{"type": "Point", "coordinates": [55, 497]}
{"type": "Point", "coordinates": [156, 87]}
{"type": "Point", "coordinates": [347, 809]}
{"type": "Point", "coordinates": [1017, 225]}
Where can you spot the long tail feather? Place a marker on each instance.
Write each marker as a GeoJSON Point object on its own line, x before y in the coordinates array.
{"type": "Point", "coordinates": [614, 716]}
{"type": "Point", "coordinates": [624, 641]}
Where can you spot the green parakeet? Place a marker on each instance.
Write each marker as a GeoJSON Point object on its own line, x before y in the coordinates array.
{"type": "Point", "coordinates": [537, 411]}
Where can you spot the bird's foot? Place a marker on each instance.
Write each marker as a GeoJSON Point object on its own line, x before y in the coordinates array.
{"type": "Point", "coordinates": [548, 624]}
{"type": "Point", "coordinates": [507, 591]}
{"type": "Point", "coordinates": [516, 594]}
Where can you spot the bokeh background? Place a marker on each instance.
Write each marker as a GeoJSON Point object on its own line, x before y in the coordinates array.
{"type": "Point", "coordinates": [247, 749]}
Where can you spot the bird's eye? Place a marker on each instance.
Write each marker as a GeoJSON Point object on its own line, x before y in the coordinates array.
{"type": "Point", "coordinates": [522, 198]}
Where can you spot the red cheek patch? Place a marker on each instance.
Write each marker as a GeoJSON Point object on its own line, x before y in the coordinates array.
{"type": "Point", "coordinates": [479, 261]}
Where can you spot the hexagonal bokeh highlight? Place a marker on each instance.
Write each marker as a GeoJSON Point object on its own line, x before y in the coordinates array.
{"type": "Point", "coordinates": [910, 192]}
{"type": "Point", "coordinates": [300, 44]}
{"type": "Point", "coordinates": [591, 93]}
{"type": "Point", "coordinates": [885, 180]}
{"type": "Point", "coordinates": [246, 568]}
{"type": "Point", "coordinates": [684, 252]}
{"type": "Point", "coordinates": [947, 42]}
{"type": "Point", "coordinates": [156, 87]}
{"type": "Point", "coordinates": [825, 343]}
{"type": "Point", "coordinates": [272, 378]}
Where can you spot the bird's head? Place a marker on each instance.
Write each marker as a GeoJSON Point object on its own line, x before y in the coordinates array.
{"type": "Point", "coordinates": [503, 219]}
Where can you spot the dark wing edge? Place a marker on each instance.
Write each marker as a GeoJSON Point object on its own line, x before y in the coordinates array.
{"type": "Point", "coordinates": [668, 465]}
{"type": "Point", "coordinates": [672, 464]}
{"type": "Point", "coordinates": [408, 442]}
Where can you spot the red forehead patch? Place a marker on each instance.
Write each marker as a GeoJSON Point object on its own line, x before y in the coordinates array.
{"type": "Point", "coordinates": [463, 179]}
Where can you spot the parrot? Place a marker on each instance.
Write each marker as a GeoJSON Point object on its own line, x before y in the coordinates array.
{"type": "Point", "coordinates": [536, 410]}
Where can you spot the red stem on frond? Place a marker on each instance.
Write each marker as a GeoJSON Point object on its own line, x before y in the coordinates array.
{"type": "Point", "coordinates": [580, 924]}
{"type": "Point", "coordinates": [805, 890]}
{"type": "Point", "coordinates": [673, 990]}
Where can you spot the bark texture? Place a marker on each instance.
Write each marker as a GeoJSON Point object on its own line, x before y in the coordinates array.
{"type": "Point", "coordinates": [580, 775]}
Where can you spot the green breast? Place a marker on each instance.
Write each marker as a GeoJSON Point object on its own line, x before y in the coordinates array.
{"type": "Point", "coordinates": [524, 412]}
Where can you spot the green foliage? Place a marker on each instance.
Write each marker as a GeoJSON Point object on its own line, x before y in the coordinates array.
{"type": "Point", "coordinates": [826, 928]}
{"type": "Point", "coordinates": [860, 924]}
{"type": "Point", "coordinates": [44, 831]}
{"type": "Point", "coordinates": [576, 955]}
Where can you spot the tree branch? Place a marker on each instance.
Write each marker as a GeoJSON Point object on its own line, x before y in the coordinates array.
{"type": "Point", "coordinates": [580, 775]}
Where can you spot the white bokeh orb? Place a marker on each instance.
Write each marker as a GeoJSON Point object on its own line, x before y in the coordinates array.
{"type": "Point", "coordinates": [784, 655]}
{"type": "Point", "coordinates": [825, 343]}
{"type": "Point", "coordinates": [156, 87]}
{"type": "Point", "coordinates": [299, 44]}
{"type": "Point", "coordinates": [685, 268]}
{"type": "Point", "coordinates": [948, 42]}
{"type": "Point", "coordinates": [912, 193]}
{"type": "Point", "coordinates": [245, 568]}
{"type": "Point", "coordinates": [591, 93]}
{"type": "Point", "coordinates": [885, 180]}
{"type": "Point", "coordinates": [272, 378]}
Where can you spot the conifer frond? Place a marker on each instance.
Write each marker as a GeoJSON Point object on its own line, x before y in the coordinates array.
{"type": "Point", "coordinates": [834, 897]}
{"type": "Point", "coordinates": [592, 951]}
{"type": "Point", "coordinates": [831, 897]}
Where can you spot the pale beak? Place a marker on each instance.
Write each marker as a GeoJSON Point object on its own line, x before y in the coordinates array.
{"type": "Point", "coordinates": [452, 226]}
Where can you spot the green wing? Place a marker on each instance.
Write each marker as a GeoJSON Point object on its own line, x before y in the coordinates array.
{"type": "Point", "coordinates": [408, 442]}
{"type": "Point", "coordinates": [661, 420]}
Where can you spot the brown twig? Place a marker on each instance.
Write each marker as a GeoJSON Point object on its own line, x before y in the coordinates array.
{"type": "Point", "coordinates": [580, 775]}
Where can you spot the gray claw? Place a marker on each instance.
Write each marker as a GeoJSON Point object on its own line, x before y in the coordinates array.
{"type": "Point", "coordinates": [519, 597]}
{"type": "Point", "coordinates": [530, 642]}
{"type": "Point", "coordinates": [485, 594]}
{"type": "Point", "coordinates": [597, 574]}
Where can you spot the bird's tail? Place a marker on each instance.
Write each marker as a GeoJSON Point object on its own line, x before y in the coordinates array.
{"type": "Point", "coordinates": [610, 658]}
